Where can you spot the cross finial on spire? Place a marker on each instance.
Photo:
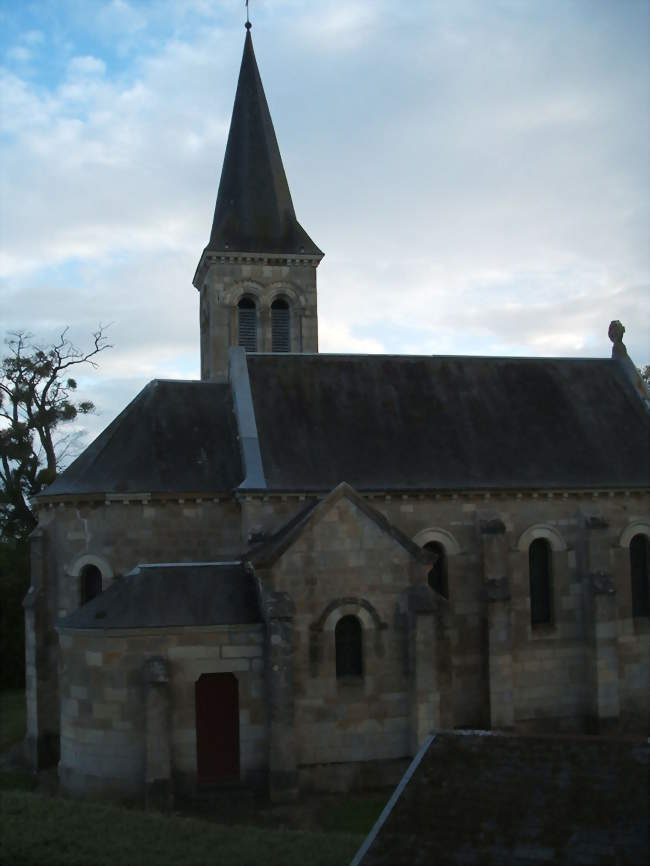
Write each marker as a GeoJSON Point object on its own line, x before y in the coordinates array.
{"type": "Point", "coordinates": [248, 24]}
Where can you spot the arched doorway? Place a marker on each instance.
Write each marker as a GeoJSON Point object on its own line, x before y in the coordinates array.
{"type": "Point", "coordinates": [217, 728]}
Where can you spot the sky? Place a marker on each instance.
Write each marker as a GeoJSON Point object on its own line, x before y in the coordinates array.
{"type": "Point", "coordinates": [476, 172]}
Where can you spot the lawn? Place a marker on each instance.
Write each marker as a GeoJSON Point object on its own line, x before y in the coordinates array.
{"type": "Point", "coordinates": [37, 830]}
{"type": "Point", "coordinates": [12, 717]}
{"type": "Point", "coordinates": [49, 831]}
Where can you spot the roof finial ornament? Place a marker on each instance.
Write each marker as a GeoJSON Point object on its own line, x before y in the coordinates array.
{"type": "Point", "coordinates": [248, 24]}
{"type": "Point", "coordinates": [619, 353]}
{"type": "Point", "coordinates": [615, 334]}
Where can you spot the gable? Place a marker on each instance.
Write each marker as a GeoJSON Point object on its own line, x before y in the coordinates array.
{"type": "Point", "coordinates": [341, 523]}
{"type": "Point", "coordinates": [346, 527]}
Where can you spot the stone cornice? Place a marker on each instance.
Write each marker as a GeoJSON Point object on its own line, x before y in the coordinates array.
{"type": "Point", "coordinates": [235, 257]}
{"type": "Point", "coordinates": [45, 501]}
{"type": "Point", "coordinates": [300, 496]}
{"type": "Point", "coordinates": [157, 632]}
{"type": "Point", "coordinates": [483, 495]}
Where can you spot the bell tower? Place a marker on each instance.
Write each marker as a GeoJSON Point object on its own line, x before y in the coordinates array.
{"type": "Point", "coordinates": [257, 275]}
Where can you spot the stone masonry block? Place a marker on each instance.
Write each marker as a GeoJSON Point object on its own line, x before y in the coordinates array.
{"type": "Point", "coordinates": [196, 668]}
{"type": "Point", "coordinates": [231, 652]}
{"type": "Point", "coordinates": [191, 652]}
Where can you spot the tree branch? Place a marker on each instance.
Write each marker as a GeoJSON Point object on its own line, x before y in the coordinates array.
{"type": "Point", "coordinates": [39, 398]}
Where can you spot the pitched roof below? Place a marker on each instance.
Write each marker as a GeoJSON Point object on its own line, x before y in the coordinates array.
{"type": "Point", "coordinates": [482, 796]}
{"type": "Point", "coordinates": [179, 594]}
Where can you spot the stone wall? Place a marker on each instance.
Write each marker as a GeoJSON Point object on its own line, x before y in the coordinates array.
{"type": "Point", "coordinates": [553, 667]}
{"type": "Point", "coordinates": [343, 564]}
{"type": "Point", "coordinates": [496, 799]}
{"type": "Point", "coordinates": [117, 535]}
{"type": "Point", "coordinates": [41, 656]}
{"type": "Point", "coordinates": [564, 675]}
{"type": "Point", "coordinates": [106, 743]}
{"type": "Point", "coordinates": [587, 670]}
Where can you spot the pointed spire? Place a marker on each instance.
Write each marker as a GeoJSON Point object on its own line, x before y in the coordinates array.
{"type": "Point", "coordinates": [254, 211]}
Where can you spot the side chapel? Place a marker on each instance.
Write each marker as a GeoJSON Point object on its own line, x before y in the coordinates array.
{"type": "Point", "coordinates": [289, 573]}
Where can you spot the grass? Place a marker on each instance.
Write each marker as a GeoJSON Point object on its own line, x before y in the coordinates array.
{"type": "Point", "coordinates": [37, 830]}
{"type": "Point", "coordinates": [17, 780]}
{"type": "Point", "coordinates": [12, 717]}
{"type": "Point", "coordinates": [44, 831]}
{"type": "Point", "coordinates": [353, 814]}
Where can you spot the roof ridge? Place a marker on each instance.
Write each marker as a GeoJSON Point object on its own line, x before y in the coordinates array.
{"type": "Point", "coordinates": [407, 357]}
{"type": "Point", "coordinates": [166, 380]}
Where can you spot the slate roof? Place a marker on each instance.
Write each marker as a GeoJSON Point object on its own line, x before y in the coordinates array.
{"type": "Point", "coordinates": [254, 211]}
{"type": "Point", "coordinates": [405, 422]}
{"type": "Point", "coordinates": [174, 437]}
{"type": "Point", "coordinates": [448, 809]}
{"type": "Point", "coordinates": [380, 422]}
{"type": "Point", "coordinates": [180, 594]}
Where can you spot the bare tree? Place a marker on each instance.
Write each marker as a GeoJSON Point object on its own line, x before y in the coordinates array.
{"type": "Point", "coordinates": [645, 374]}
{"type": "Point", "coordinates": [36, 398]}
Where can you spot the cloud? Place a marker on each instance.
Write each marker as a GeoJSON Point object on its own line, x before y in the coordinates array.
{"type": "Point", "coordinates": [33, 37]}
{"type": "Point", "coordinates": [86, 67]}
{"type": "Point", "coordinates": [121, 20]}
{"type": "Point", "coordinates": [476, 173]}
{"type": "Point", "coordinates": [19, 54]}
{"type": "Point", "coordinates": [337, 337]}
{"type": "Point", "coordinates": [338, 26]}
{"type": "Point", "coordinates": [24, 48]}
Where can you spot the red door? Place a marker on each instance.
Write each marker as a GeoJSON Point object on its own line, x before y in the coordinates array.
{"type": "Point", "coordinates": [217, 727]}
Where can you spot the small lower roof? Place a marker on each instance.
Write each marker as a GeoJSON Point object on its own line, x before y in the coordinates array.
{"type": "Point", "coordinates": [176, 594]}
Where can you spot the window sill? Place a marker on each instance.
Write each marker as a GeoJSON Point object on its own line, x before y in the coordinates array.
{"type": "Point", "coordinates": [349, 682]}
{"type": "Point", "coordinates": [543, 630]}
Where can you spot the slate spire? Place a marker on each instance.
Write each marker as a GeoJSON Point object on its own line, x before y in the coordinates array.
{"type": "Point", "coordinates": [254, 212]}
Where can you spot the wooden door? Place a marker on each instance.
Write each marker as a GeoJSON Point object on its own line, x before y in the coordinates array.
{"type": "Point", "coordinates": [217, 727]}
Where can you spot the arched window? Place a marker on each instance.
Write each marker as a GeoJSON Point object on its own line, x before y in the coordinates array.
{"type": "Point", "coordinates": [247, 324]}
{"type": "Point", "coordinates": [91, 582]}
{"type": "Point", "coordinates": [349, 648]}
{"type": "Point", "coordinates": [539, 571]}
{"type": "Point", "coordinates": [639, 556]}
{"type": "Point", "coordinates": [437, 576]}
{"type": "Point", "coordinates": [280, 326]}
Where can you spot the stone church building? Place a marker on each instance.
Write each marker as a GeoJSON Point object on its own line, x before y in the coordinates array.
{"type": "Point", "coordinates": [287, 574]}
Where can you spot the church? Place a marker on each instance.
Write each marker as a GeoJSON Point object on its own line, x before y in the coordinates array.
{"type": "Point", "coordinates": [288, 574]}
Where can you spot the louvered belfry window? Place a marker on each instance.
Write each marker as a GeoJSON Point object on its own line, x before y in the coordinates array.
{"type": "Point", "coordinates": [248, 324]}
{"type": "Point", "coordinates": [280, 326]}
